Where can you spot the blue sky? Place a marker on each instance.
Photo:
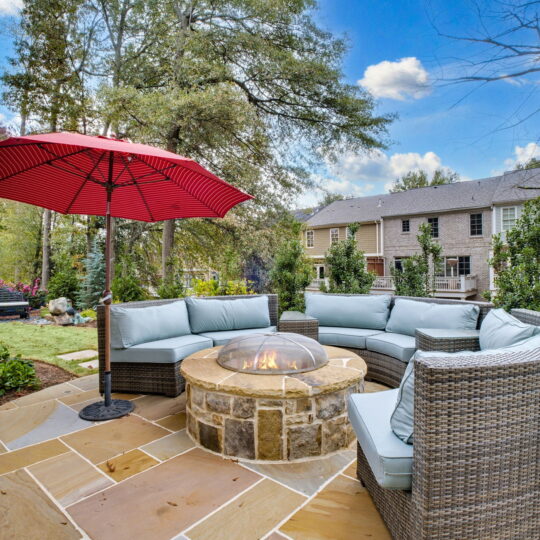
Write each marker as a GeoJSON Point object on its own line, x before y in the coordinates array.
{"type": "Point", "coordinates": [397, 54]}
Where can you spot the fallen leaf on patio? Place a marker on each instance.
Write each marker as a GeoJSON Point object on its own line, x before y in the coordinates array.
{"type": "Point", "coordinates": [235, 479]}
{"type": "Point", "coordinates": [3, 492]}
{"type": "Point", "coordinates": [171, 503]}
{"type": "Point", "coordinates": [111, 466]}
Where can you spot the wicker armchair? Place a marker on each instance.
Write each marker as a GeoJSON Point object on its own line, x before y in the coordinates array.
{"type": "Point", "coordinates": [476, 466]}
{"type": "Point", "coordinates": [153, 378]}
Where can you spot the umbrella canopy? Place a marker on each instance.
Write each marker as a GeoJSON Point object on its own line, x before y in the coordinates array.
{"type": "Point", "coordinates": [78, 174]}
{"type": "Point", "coordinates": [66, 172]}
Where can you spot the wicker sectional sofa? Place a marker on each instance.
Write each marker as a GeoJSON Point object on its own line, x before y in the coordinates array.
{"type": "Point", "coordinates": [154, 368]}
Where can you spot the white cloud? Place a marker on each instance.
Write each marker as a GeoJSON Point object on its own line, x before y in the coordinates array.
{"type": "Point", "coordinates": [522, 154]}
{"type": "Point", "coordinates": [400, 80]}
{"type": "Point", "coordinates": [10, 7]}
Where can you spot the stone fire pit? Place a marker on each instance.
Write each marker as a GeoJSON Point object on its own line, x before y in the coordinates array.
{"type": "Point", "coordinates": [282, 417]}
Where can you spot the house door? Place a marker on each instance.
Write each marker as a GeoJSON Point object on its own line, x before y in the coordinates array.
{"type": "Point", "coordinates": [376, 265]}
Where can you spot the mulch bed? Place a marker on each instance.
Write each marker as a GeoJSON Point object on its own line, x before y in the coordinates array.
{"type": "Point", "coordinates": [48, 374]}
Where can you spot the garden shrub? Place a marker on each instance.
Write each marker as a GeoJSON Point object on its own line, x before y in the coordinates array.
{"type": "Point", "coordinates": [127, 288]}
{"type": "Point", "coordinates": [31, 293]}
{"type": "Point", "coordinates": [172, 287]}
{"type": "Point", "coordinates": [15, 373]}
{"type": "Point", "coordinates": [212, 287]}
{"type": "Point", "coordinates": [64, 281]}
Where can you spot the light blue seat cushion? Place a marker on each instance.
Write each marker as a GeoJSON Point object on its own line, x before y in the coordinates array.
{"type": "Point", "coordinates": [500, 329]}
{"type": "Point", "coordinates": [408, 315]}
{"type": "Point", "coordinates": [390, 458]}
{"type": "Point", "coordinates": [402, 419]}
{"type": "Point", "coordinates": [369, 312]}
{"type": "Point", "coordinates": [222, 338]}
{"type": "Point", "coordinates": [163, 351]}
{"type": "Point", "coordinates": [397, 346]}
{"type": "Point", "coordinates": [131, 326]}
{"type": "Point", "coordinates": [345, 337]}
{"type": "Point", "coordinates": [210, 315]}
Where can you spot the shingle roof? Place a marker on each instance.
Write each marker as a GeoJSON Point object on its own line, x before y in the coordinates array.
{"type": "Point", "coordinates": [445, 198]}
{"type": "Point", "coordinates": [303, 214]}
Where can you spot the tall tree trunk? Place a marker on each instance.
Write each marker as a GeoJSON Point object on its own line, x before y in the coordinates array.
{"type": "Point", "coordinates": [45, 248]}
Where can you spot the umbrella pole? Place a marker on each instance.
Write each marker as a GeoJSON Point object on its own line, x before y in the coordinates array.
{"type": "Point", "coordinates": [109, 408]}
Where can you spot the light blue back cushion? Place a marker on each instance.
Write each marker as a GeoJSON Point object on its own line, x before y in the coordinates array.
{"type": "Point", "coordinates": [349, 311]}
{"type": "Point", "coordinates": [402, 419]}
{"type": "Point", "coordinates": [132, 326]}
{"type": "Point", "coordinates": [207, 315]}
{"type": "Point", "coordinates": [500, 329]}
{"type": "Point", "coordinates": [408, 315]}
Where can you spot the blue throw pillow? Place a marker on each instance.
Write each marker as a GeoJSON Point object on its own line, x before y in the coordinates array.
{"type": "Point", "coordinates": [132, 326]}
{"type": "Point", "coordinates": [500, 329]}
{"type": "Point", "coordinates": [212, 315]}
{"type": "Point", "coordinates": [369, 312]}
{"type": "Point", "coordinates": [408, 315]}
{"type": "Point", "coordinates": [402, 419]}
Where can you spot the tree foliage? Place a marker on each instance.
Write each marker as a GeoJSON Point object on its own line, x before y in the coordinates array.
{"type": "Point", "coordinates": [420, 178]}
{"type": "Point", "coordinates": [292, 273]}
{"type": "Point", "coordinates": [516, 262]}
{"type": "Point", "coordinates": [347, 270]}
{"type": "Point", "coordinates": [417, 276]}
{"type": "Point", "coordinates": [533, 163]}
{"type": "Point", "coordinates": [93, 284]}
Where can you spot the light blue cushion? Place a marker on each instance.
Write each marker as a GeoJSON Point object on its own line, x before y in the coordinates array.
{"type": "Point", "coordinates": [164, 351]}
{"type": "Point", "coordinates": [345, 337]}
{"type": "Point", "coordinates": [500, 329]}
{"type": "Point", "coordinates": [222, 338]}
{"type": "Point", "coordinates": [397, 346]}
{"type": "Point", "coordinates": [390, 459]}
{"type": "Point", "coordinates": [402, 419]}
{"type": "Point", "coordinates": [408, 315]}
{"type": "Point", "coordinates": [131, 326]}
{"type": "Point", "coordinates": [369, 312]}
{"type": "Point", "coordinates": [211, 315]}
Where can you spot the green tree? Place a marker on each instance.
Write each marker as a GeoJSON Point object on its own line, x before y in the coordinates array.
{"type": "Point", "coordinates": [417, 276]}
{"type": "Point", "coordinates": [292, 273]}
{"type": "Point", "coordinates": [93, 284]}
{"type": "Point", "coordinates": [533, 163]}
{"type": "Point", "coordinates": [347, 269]}
{"type": "Point", "coordinates": [65, 279]}
{"type": "Point", "coordinates": [517, 262]}
{"type": "Point", "coordinates": [329, 198]}
{"type": "Point", "coordinates": [420, 178]}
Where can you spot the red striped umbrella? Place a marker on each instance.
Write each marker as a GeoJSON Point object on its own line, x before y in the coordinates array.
{"type": "Point", "coordinates": [78, 174]}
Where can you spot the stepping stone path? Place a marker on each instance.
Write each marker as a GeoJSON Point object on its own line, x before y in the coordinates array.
{"type": "Point", "coordinates": [82, 355]}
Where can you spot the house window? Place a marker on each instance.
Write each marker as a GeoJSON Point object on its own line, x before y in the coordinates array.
{"type": "Point", "coordinates": [398, 263]}
{"type": "Point", "coordinates": [476, 225]}
{"type": "Point", "coordinates": [456, 266]}
{"type": "Point", "coordinates": [405, 225]}
{"type": "Point", "coordinates": [319, 271]}
{"type": "Point", "coordinates": [309, 239]}
{"type": "Point", "coordinates": [434, 224]}
{"type": "Point", "coordinates": [508, 217]}
{"type": "Point", "coordinates": [334, 236]}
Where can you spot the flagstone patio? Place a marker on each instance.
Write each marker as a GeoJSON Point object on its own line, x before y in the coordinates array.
{"type": "Point", "coordinates": [142, 477]}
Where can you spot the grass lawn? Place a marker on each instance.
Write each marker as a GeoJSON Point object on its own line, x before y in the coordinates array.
{"type": "Point", "coordinates": [45, 342]}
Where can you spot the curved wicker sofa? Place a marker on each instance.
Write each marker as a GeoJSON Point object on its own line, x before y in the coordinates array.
{"type": "Point", "coordinates": [478, 477]}
{"type": "Point", "coordinates": [152, 377]}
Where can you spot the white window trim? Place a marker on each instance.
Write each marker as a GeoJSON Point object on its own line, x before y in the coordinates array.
{"type": "Point", "coordinates": [312, 239]}
{"type": "Point", "coordinates": [503, 208]}
{"type": "Point", "coordinates": [331, 230]}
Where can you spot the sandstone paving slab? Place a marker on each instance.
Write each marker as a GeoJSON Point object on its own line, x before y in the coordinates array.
{"type": "Point", "coordinates": [351, 470]}
{"type": "Point", "coordinates": [27, 513]}
{"type": "Point", "coordinates": [162, 502]}
{"type": "Point", "coordinates": [250, 516]}
{"type": "Point", "coordinates": [90, 364]}
{"type": "Point", "coordinates": [370, 386]}
{"type": "Point", "coordinates": [104, 441]}
{"type": "Point", "coordinates": [341, 511]}
{"type": "Point", "coordinates": [276, 536]}
{"type": "Point", "coordinates": [79, 397]}
{"type": "Point", "coordinates": [174, 422]}
{"type": "Point", "coordinates": [53, 392]}
{"type": "Point", "coordinates": [81, 405]}
{"type": "Point", "coordinates": [128, 464]}
{"type": "Point", "coordinates": [79, 355]}
{"type": "Point", "coordinates": [89, 382]}
{"type": "Point", "coordinates": [156, 407]}
{"type": "Point", "coordinates": [169, 446]}
{"type": "Point", "coordinates": [305, 476]}
{"type": "Point", "coordinates": [36, 423]}
{"type": "Point", "coordinates": [7, 406]}
{"type": "Point", "coordinates": [17, 459]}
{"type": "Point", "coordinates": [69, 478]}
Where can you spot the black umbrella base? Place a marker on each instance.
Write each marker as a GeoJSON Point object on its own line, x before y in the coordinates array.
{"type": "Point", "coordinates": [97, 412]}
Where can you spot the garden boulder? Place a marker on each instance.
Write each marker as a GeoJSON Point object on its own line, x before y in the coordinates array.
{"type": "Point", "coordinates": [58, 306]}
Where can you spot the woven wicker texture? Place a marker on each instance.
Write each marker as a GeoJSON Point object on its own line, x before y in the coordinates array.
{"type": "Point", "coordinates": [153, 378]}
{"type": "Point", "coordinates": [426, 342]}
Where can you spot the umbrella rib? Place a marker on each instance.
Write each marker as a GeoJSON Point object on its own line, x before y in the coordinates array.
{"type": "Point", "coordinates": [83, 183]}
{"type": "Point", "coordinates": [48, 162]}
{"type": "Point", "coordinates": [140, 192]}
{"type": "Point", "coordinates": [168, 178]}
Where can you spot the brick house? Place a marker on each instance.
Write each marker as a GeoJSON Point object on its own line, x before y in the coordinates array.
{"type": "Point", "coordinates": [463, 217]}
